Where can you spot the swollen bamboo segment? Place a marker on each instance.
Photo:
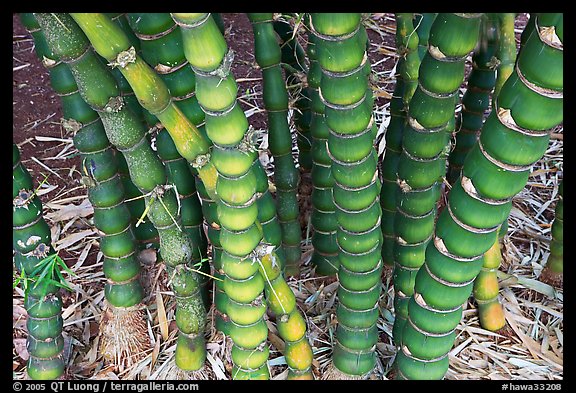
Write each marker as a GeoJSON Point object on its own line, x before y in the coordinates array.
{"type": "Point", "coordinates": [246, 242]}
{"type": "Point", "coordinates": [323, 216]}
{"type": "Point", "coordinates": [514, 137]}
{"type": "Point", "coordinates": [32, 244]}
{"type": "Point", "coordinates": [110, 42]}
{"type": "Point", "coordinates": [340, 50]}
{"type": "Point", "coordinates": [421, 165]}
{"type": "Point", "coordinates": [128, 134]}
{"type": "Point", "coordinates": [406, 80]}
{"type": "Point", "coordinates": [161, 47]}
{"type": "Point", "coordinates": [293, 57]}
{"type": "Point", "coordinates": [112, 216]}
{"type": "Point", "coordinates": [268, 56]}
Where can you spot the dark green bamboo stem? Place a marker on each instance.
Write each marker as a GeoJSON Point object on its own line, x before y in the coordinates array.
{"type": "Point", "coordinates": [161, 47]}
{"type": "Point", "coordinates": [128, 134]}
{"type": "Point", "coordinates": [286, 177]}
{"type": "Point", "coordinates": [344, 90]}
{"type": "Point", "coordinates": [421, 166]}
{"type": "Point", "coordinates": [514, 137]}
{"type": "Point", "coordinates": [243, 237]}
{"type": "Point", "coordinates": [323, 217]}
{"type": "Point", "coordinates": [476, 99]}
{"type": "Point", "coordinates": [408, 44]}
{"type": "Point", "coordinates": [553, 272]}
{"type": "Point", "coordinates": [31, 244]}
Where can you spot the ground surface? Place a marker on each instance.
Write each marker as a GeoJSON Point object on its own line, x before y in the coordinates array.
{"type": "Point", "coordinates": [531, 347]}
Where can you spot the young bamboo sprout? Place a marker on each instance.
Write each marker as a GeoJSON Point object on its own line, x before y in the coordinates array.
{"type": "Point", "coordinates": [112, 215]}
{"type": "Point", "coordinates": [286, 176]}
{"type": "Point", "coordinates": [128, 134]}
{"type": "Point", "coordinates": [241, 236]}
{"type": "Point", "coordinates": [348, 100]}
{"type": "Point", "coordinates": [514, 137]}
{"type": "Point", "coordinates": [32, 246]}
{"type": "Point", "coordinates": [421, 165]}
{"type": "Point", "coordinates": [553, 272]}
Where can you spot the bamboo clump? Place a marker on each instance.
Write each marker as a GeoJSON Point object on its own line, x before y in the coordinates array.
{"type": "Point", "coordinates": [171, 163]}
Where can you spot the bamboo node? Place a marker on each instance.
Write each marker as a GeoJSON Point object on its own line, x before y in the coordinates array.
{"type": "Point", "coordinates": [201, 160]}
{"type": "Point", "coordinates": [436, 52]}
{"type": "Point", "coordinates": [249, 143]}
{"type": "Point", "coordinates": [124, 58]}
{"type": "Point", "coordinates": [29, 242]}
{"type": "Point", "coordinates": [548, 35]}
{"type": "Point", "coordinates": [70, 125]}
{"type": "Point", "coordinates": [87, 182]}
{"type": "Point", "coordinates": [404, 186]}
{"type": "Point", "coordinates": [494, 63]}
{"type": "Point", "coordinates": [23, 199]}
{"type": "Point", "coordinates": [48, 62]}
{"type": "Point", "coordinates": [41, 251]}
{"type": "Point", "coordinates": [114, 104]}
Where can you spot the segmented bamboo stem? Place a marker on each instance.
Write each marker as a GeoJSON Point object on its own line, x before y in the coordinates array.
{"type": "Point", "coordinates": [286, 177]}
{"type": "Point", "coordinates": [348, 100]}
{"type": "Point", "coordinates": [323, 216]}
{"type": "Point", "coordinates": [245, 241]}
{"type": "Point", "coordinates": [425, 138]}
{"type": "Point", "coordinates": [112, 216]}
{"type": "Point", "coordinates": [553, 272]}
{"type": "Point", "coordinates": [128, 134]}
{"type": "Point", "coordinates": [31, 244]}
{"type": "Point", "coordinates": [514, 136]}
{"type": "Point", "coordinates": [476, 99]}
{"type": "Point", "coordinates": [294, 64]}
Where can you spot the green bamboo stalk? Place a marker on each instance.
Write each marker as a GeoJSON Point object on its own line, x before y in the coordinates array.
{"type": "Point", "coordinates": [406, 44]}
{"type": "Point", "coordinates": [286, 177]}
{"type": "Point", "coordinates": [294, 64]}
{"type": "Point", "coordinates": [425, 139]}
{"type": "Point", "coordinates": [422, 23]}
{"type": "Point", "coordinates": [100, 163]}
{"type": "Point", "coordinates": [128, 134]}
{"type": "Point", "coordinates": [243, 237]}
{"type": "Point", "coordinates": [323, 216]}
{"type": "Point", "coordinates": [486, 287]}
{"type": "Point", "coordinates": [348, 100]}
{"type": "Point", "coordinates": [476, 99]}
{"type": "Point", "coordinates": [506, 52]}
{"type": "Point", "coordinates": [161, 48]}
{"type": "Point", "coordinates": [514, 137]}
{"type": "Point", "coordinates": [32, 245]}
{"type": "Point", "coordinates": [553, 272]}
